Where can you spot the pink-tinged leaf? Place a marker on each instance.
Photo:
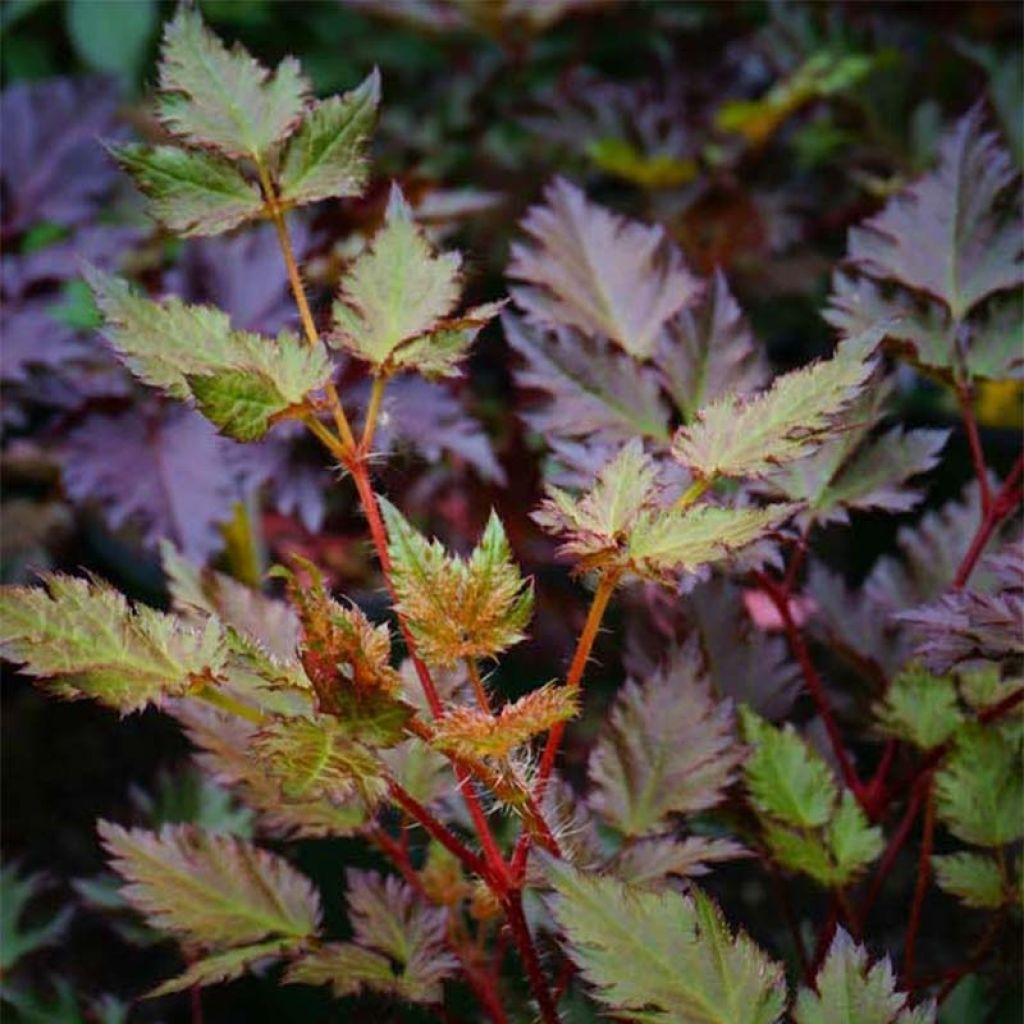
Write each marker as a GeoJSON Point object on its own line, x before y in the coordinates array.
{"type": "Point", "coordinates": [766, 616]}
{"type": "Point", "coordinates": [710, 351]}
{"type": "Point", "coordinates": [652, 863]}
{"type": "Point", "coordinates": [211, 890]}
{"type": "Point", "coordinates": [591, 390]}
{"type": "Point", "coordinates": [943, 235]}
{"type": "Point", "coordinates": [589, 268]}
{"type": "Point", "coordinates": [166, 472]}
{"type": "Point", "coordinates": [670, 748]}
{"type": "Point", "coordinates": [224, 966]}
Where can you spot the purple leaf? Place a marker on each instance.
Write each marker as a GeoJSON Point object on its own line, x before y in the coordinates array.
{"type": "Point", "coordinates": [166, 471]}
{"type": "Point", "coordinates": [54, 166]}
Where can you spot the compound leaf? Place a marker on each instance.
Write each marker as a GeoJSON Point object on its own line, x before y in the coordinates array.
{"type": "Point", "coordinates": [651, 862]}
{"type": "Point", "coordinates": [750, 437]}
{"type": "Point", "coordinates": [84, 640]}
{"type": "Point", "coordinates": [399, 946]}
{"type": "Point", "coordinates": [224, 98]}
{"type": "Point", "coordinates": [663, 958]}
{"type": "Point", "coordinates": [849, 991]}
{"type": "Point", "coordinates": [472, 732]}
{"type": "Point", "coordinates": [591, 269]}
{"type": "Point", "coordinates": [974, 878]}
{"type": "Point", "coordinates": [326, 156]}
{"type": "Point", "coordinates": [943, 235]}
{"type": "Point", "coordinates": [979, 790]}
{"type": "Point", "coordinates": [458, 608]}
{"type": "Point", "coordinates": [210, 889]}
{"type": "Point", "coordinates": [240, 380]}
{"type": "Point", "coordinates": [191, 192]}
{"type": "Point", "coordinates": [669, 748]}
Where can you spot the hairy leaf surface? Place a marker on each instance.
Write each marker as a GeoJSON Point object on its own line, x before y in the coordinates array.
{"type": "Point", "coordinates": [209, 889]}
{"type": "Point", "coordinates": [594, 270]}
{"type": "Point", "coordinates": [84, 640]}
{"type": "Point", "coordinates": [663, 958]}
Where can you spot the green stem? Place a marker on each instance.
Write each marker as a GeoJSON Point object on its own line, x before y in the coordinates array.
{"type": "Point", "coordinates": [372, 413]}
{"type": "Point", "coordinates": [693, 492]}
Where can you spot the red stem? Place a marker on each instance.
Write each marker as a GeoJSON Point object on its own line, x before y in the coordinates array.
{"type": "Point", "coordinates": [964, 397]}
{"type": "Point", "coordinates": [1000, 507]}
{"type": "Point", "coordinates": [923, 869]}
{"type": "Point", "coordinates": [953, 977]}
{"type": "Point", "coordinates": [792, 924]}
{"type": "Point", "coordinates": [814, 684]}
{"type": "Point", "coordinates": [524, 943]}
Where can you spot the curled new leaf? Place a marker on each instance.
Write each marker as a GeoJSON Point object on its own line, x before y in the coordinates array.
{"type": "Point", "coordinates": [223, 98]}
{"type": "Point", "coordinates": [474, 733]}
{"type": "Point", "coordinates": [662, 957]}
{"type": "Point", "coordinates": [209, 889]}
{"type": "Point", "coordinates": [598, 272]}
{"type": "Point", "coordinates": [457, 608]}
{"type": "Point", "coordinates": [737, 437]}
{"type": "Point", "coordinates": [84, 640]}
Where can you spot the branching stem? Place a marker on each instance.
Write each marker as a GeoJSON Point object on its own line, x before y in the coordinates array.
{"type": "Point", "coordinates": [524, 943]}
{"type": "Point", "coordinates": [964, 398]}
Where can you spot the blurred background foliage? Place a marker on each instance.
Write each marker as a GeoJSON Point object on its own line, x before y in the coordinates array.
{"type": "Point", "coordinates": [756, 132]}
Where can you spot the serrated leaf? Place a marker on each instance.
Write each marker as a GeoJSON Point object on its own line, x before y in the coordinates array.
{"type": "Point", "coordinates": [979, 790]}
{"type": "Point", "coordinates": [652, 862]}
{"type": "Point", "coordinates": [191, 193]}
{"type": "Point", "coordinates": [852, 842]}
{"type": "Point", "coordinates": [474, 733]}
{"type": "Point", "coordinates": [208, 889]}
{"type": "Point", "coordinates": [226, 754]}
{"type": "Point", "coordinates": [241, 380]}
{"type": "Point", "coordinates": [749, 437]}
{"type": "Point", "coordinates": [312, 758]}
{"type": "Point", "coordinates": [943, 235]}
{"type": "Point", "coordinates": [593, 391]}
{"type": "Point", "coordinates": [786, 778]}
{"type": "Point", "coordinates": [663, 958]}
{"type": "Point", "coordinates": [326, 157]}
{"type": "Point", "coordinates": [398, 949]}
{"type": "Point", "coordinates": [921, 708]}
{"type": "Point", "coordinates": [224, 966]}
{"type": "Point", "coordinates": [84, 640]}
{"type": "Point", "coordinates": [669, 748]}
{"type": "Point", "coordinates": [224, 98]}
{"type": "Point", "coordinates": [974, 878]}
{"type": "Point", "coordinates": [457, 608]}
{"type": "Point", "coordinates": [594, 270]}
{"type": "Point", "coordinates": [709, 352]}
{"type": "Point", "coordinates": [397, 290]}
{"type": "Point", "coordinates": [849, 991]}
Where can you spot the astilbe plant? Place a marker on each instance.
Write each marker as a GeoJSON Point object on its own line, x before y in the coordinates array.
{"type": "Point", "coordinates": [675, 457]}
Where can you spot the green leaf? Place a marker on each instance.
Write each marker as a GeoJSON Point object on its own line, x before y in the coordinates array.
{"type": "Point", "coordinates": [663, 958]}
{"type": "Point", "coordinates": [397, 290]}
{"type": "Point", "coordinates": [190, 192]}
{"type": "Point", "coordinates": [318, 758]}
{"type": "Point", "coordinates": [750, 437]}
{"type": "Point", "coordinates": [208, 889]}
{"type": "Point", "coordinates": [457, 608]}
{"type": "Point", "coordinates": [593, 270]}
{"type": "Point", "coordinates": [472, 732]}
{"type": "Point", "coordinates": [399, 946]}
{"type": "Point", "coordinates": [115, 46]}
{"type": "Point", "coordinates": [973, 877]}
{"type": "Point", "coordinates": [945, 234]}
{"type": "Point", "coordinates": [851, 992]}
{"type": "Point", "coordinates": [84, 640]}
{"type": "Point", "coordinates": [669, 748]}
{"type": "Point", "coordinates": [224, 98]}
{"type": "Point", "coordinates": [787, 779]}
{"type": "Point", "coordinates": [326, 157]}
{"type": "Point", "coordinates": [921, 708]}
{"type": "Point", "coordinates": [223, 966]}
{"type": "Point", "coordinates": [852, 842]}
{"type": "Point", "coordinates": [18, 938]}
{"type": "Point", "coordinates": [979, 790]}
{"type": "Point", "coordinates": [240, 380]}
